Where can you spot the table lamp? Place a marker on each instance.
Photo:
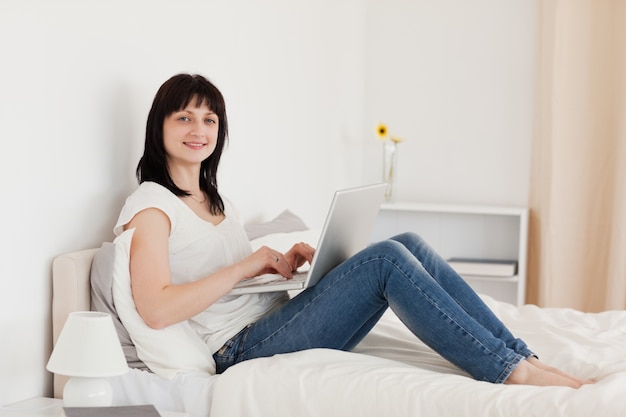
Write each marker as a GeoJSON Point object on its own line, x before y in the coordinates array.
{"type": "Point", "coordinates": [88, 350]}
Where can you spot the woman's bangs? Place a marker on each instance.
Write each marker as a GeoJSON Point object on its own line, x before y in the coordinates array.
{"type": "Point", "coordinates": [212, 97]}
{"type": "Point", "coordinates": [197, 95]}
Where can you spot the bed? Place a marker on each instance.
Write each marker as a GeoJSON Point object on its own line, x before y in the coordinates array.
{"type": "Point", "coordinates": [389, 373]}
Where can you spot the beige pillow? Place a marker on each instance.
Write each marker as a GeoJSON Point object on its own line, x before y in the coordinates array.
{"type": "Point", "coordinates": [101, 278]}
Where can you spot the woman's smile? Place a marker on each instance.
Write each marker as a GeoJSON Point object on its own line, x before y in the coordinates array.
{"type": "Point", "coordinates": [194, 145]}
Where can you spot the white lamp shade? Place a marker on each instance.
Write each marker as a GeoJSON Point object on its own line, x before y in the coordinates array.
{"type": "Point", "coordinates": [88, 346]}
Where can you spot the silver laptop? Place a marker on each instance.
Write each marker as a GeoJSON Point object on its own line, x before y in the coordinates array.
{"type": "Point", "coordinates": [346, 231]}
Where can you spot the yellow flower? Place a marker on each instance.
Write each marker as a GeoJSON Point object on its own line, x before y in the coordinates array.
{"type": "Point", "coordinates": [383, 134]}
{"type": "Point", "coordinates": [382, 131]}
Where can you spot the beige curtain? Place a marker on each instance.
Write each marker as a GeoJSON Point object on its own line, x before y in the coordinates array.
{"type": "Point", "coordinates": [577, 245]}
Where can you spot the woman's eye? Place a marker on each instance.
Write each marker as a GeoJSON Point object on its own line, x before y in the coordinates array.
{"type": "Point", "coordinates": [211, 121]}
{"type": "Point", "coordinates": [184, 119]}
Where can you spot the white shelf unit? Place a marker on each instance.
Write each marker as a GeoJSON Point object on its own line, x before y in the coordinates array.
{"type": "Point", "coordinates": [467, 231]}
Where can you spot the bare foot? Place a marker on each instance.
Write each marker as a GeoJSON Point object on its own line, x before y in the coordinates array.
{"type": "Point", "coordinates": [528, 374]}
{"type": "Point", "coordinates": [538, 364]}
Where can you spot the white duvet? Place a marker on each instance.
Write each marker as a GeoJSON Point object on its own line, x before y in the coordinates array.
{"type": "Point", "coordinates": [391, 373]}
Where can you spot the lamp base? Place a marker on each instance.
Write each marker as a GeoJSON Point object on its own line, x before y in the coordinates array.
{"type": "Point", "coordinates": [87, 392]}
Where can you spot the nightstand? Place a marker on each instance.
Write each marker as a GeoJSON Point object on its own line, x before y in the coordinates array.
{"type": "Point", "coordinates": [467, 231]}
{"type": "Point", "coordinates": [51, 407]}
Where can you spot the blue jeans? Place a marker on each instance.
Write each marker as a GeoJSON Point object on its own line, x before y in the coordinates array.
{"type": "Point", "coordinates": [405, 274]}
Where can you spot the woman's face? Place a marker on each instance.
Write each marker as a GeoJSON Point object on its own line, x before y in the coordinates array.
{"type": "Point", "coordinates": [190, 134]}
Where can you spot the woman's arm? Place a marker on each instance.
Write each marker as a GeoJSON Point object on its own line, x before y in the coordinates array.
{"type": "Point", "coordinates": [161, 303]}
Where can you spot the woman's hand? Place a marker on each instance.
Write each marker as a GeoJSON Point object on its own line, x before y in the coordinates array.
{"type": "Point", "coordinates": [270, 261]}
{"type": "Point", "coordinates": [299, 254]}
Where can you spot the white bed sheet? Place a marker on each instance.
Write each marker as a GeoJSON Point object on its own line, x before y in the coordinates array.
{"type": "Point", "coordinates": [190, 392]}
{"type": "Point", "coordinates": [394, 374]}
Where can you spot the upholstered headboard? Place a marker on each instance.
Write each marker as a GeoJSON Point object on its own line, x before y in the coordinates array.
{"type": "Point", "coordinates": [71, 291]}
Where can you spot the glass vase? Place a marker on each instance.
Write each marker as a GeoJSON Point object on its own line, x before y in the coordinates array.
{"type": "Point", "coordinates": [390, 160]}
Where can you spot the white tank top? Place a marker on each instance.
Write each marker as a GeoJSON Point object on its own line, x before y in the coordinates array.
{"type": "Point", "coordinates": [198, 248]}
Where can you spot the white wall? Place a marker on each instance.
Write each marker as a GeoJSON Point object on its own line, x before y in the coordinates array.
{"type": "Point", "coordinates": [455, 79]}
{"type": "Point", "coordinates": [305, 83]}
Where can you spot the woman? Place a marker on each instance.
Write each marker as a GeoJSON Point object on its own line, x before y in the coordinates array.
{"type": "Point", "coordinates": [189, 250]}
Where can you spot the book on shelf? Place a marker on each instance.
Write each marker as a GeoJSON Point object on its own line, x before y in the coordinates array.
{"type": "Point", "coordinates": [117, 411]}
{"type": "Point", "coordinates": [484, 267]}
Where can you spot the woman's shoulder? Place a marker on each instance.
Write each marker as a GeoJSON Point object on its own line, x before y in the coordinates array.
{"type": "Point", "coordinates": [150, 188]}
{"type": "Point", "coordinates": [149, 192]}
{"type": "Point", "coordinates": [147, 195]}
